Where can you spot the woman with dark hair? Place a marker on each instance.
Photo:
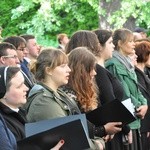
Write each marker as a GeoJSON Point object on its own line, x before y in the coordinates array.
{"type": "Point", "coordinates": [120, 65]}
{"type": "Point", "coordinates": [115, 91]}
{"type": "Point", "coordinates": [109, 87]}
{"type": "Point", "coordinates": [111, 82]}
{"type": "Point", "coordinates": [142, 50]}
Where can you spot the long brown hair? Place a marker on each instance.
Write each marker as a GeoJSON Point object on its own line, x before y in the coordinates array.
{"type": "Point", "coordinates": [81, 63]}
{"type": "Point", "coordinates": [84, 38]}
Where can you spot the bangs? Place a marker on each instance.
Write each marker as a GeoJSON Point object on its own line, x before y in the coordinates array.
{"type": "Point", "coordinates": [60, 59]}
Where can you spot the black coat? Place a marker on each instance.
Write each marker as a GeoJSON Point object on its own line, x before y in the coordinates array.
{"type": "Point", "coordinates": [109, 86]}
{"type": "Point", "coordinates": [147, 71]}
{"type": "Point", "coordinates": [144, 86]}
{"type": "Point", "coordinates": [15, 121]}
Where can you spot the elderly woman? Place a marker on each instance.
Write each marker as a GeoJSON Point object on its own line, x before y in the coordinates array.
{"type": "Point", "coordinates": [120, 65]}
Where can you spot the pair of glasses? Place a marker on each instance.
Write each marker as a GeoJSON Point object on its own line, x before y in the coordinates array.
{"type": "Point", "coordinates": [11, 56]}
{"type": "Point", "coordinates": [21, 49]}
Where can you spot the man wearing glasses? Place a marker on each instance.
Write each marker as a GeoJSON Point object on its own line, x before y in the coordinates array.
{"type": "Point", "coordinates": [20, 45]}
{"type": "Point", "coordinates": [8, 55]}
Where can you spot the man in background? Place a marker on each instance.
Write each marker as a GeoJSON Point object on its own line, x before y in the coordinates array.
{"type": "Point", "coordinates": [62, 40]}
{"type": "Point", "coordinates": [142, 31]}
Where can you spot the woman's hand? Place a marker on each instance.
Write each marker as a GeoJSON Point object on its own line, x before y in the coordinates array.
{"type": "Point", "coordinates": [113, 127]}
{"type": "Point", "coordinates": [59, 145]}
{"type": "Point", "coordinates": [129, 136]}
{"type": "Point", "coordinates": [141, 111]}
{"type": "Point", "coordinates": [108, 137]}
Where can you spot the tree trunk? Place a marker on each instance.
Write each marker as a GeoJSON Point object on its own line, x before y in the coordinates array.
{"type": "Point", "coordinates": [111, 7]}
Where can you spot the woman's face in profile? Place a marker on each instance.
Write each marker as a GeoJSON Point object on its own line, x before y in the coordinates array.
{"type": "Point", "coordinates": [108, 49]}
{"type": "Point", "coordinates": [16, 94]}
{"type": "Point", "coordinates": [60, 75]}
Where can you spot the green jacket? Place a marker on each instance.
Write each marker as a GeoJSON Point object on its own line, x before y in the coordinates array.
{"type": "Point", "coordinates": [43, 103]}
{"type": "Point", "coordinates": [129, 82]}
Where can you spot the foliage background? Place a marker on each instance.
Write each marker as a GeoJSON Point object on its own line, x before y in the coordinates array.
{"type": "Point", "coordinates": [47, 18]}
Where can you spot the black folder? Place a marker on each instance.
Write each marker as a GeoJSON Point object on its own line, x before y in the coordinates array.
{"type": "Point", "coordinates": [73, 134]}
{"type": "Point", "coordinates": [113, 111]}
{"type": "Point", "coordinates": [43, 125]}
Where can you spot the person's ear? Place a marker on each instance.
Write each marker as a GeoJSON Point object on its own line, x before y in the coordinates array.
{"type": "Point", "coordinates": [2, 60]}
{"type": "Point", "coordinates": [48, 71]}
{"type": "Point", "coordinates": [119, 43]}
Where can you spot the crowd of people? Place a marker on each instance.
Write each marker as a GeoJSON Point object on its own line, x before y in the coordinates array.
{"type": "Point", "coordinates": [83, 73]}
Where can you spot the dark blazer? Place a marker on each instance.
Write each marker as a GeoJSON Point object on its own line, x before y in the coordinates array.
{"type": "Point", "coordinates": [144, 86]}
{"type": "Point", "coordinates": [15, 121]}
{"type": "Point", "coordinates": [28, 76]}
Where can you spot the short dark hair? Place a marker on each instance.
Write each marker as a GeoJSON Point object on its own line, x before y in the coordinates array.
{"type": "Point", "coordinates": [15, 40]}
{"type": "Point", "coordinates": [27, 37]}
{"type": "Point", "coordinates": [138, 29]}
{"type": "Point", "coordinates": [4, 46]}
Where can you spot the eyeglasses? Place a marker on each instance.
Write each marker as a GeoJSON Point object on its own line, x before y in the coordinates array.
{"type": "Point", "coordinates": [11, 56]}
{"type": "Point", "coordinates": [21, 49]}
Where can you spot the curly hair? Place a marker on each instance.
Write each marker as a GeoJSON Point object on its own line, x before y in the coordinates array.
{"type": "Point", "coordinates": [81, 63]}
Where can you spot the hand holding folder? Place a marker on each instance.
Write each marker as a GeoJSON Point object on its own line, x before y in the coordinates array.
{"type": "Point", "coordinates": [72, 132]}
{"type": "Point", "coordinates": [113, 111]}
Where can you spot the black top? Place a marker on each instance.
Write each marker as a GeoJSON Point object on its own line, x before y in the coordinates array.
{"type": "Point", "coordinates": [93, 130]}
{"type": "Point", "coordinates": [109, 86]}
{"type": "Point", "coordinates": [147, 71]}
{"type": "Point", "coordinates": [15, 121]}
{"type": "Point", "coordinates": [144, 86]}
